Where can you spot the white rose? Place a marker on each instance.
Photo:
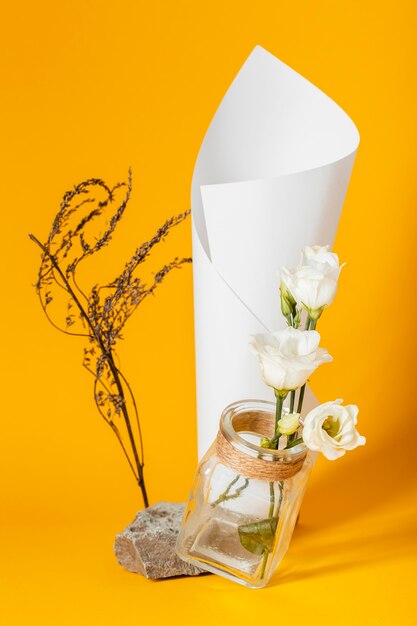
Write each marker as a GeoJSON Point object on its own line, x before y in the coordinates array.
{"type": "Point", "coordinates": [288, 357]}
{"type": "Point", "coordinates": [330, 429]}
{"type": "Point", "coordinates": [313, 283]}
{"type": "Point", "coordinates": [319, 256]}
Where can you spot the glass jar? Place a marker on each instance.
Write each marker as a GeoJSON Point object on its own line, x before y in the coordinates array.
{"type": "Point", "coordinates": [245, 499]}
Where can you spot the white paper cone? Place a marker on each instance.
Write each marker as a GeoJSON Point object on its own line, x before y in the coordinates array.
{"type": "Point", "coordinates": [271, 177]}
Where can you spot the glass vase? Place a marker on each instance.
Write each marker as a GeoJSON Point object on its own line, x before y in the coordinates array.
{"type": "Point", "coordinates": [245, 499]}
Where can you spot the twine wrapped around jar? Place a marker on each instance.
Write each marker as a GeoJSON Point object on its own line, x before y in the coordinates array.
{"type": "Point", "coordinates": [281, 467]}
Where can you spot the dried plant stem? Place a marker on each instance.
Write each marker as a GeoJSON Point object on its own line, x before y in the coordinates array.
{"type": "Point", "coordinates": [100, 314]}
{"type": "Point", "coordinates": [139, 465]}
{"type": "Point", "coordinates": [139, 473]}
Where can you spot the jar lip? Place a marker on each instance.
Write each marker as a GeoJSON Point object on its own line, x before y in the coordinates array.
{"type": "Point", "coordinates": [243, 445]}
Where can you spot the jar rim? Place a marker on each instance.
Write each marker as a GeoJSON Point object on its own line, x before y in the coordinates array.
{"type": "Point", "coordinates": [234, 437]}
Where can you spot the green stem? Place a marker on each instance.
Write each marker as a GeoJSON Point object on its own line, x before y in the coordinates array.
{"type": "Point", "coordinates": [281, 489]}
{"type": "Point", "coordinates": [310, 325]}
{"type": "Point", "coordinates": [292, 401]}
{"type": "Point", "coordinates": [280, 396]}
{"type": "Point", "coordinates": [278, 412]}
{"type": "Point", "coordinates": [271, 514]}
{"type": "Point", "coordinates": [231, 496]}
{"type": "Point", "coordinates": [223, 495]}
{"type": "Point", "coordinates": [271, 499]}
{"type": "Point", "coordinates": [301, 398]}
{"type": "Point", "coordinates": [294, 442]}
{"type": "Point", "coordinates": [264, 562]}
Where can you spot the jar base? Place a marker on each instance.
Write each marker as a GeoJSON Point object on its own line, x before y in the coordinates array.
{"type": "Point", "coordinates": [216, 548]}
{"type": "Point", "coordinates": [209, 567]}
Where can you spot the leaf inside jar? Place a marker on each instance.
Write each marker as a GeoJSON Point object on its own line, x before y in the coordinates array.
{"type": "Point", "coordinates": [258, 537]}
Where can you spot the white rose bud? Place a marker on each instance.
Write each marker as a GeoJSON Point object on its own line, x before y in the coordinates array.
{"type": "Point", "coordinates": [330, 429]}
{"type": "Point", "coordinates": [313, 283]}
{"type": "Point", "coordinates": [287, 302]}
{"type": "Point", "coordinates": [288, 423]}
{"type": "Point", "coordinates": [288, 357]}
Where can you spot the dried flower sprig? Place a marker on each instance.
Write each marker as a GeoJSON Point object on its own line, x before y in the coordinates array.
{"type": "Point", "coordinates": [101, 314]}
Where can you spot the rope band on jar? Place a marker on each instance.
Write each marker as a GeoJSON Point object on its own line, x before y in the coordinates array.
{"type": "Point", "coordinates": [281, 468]}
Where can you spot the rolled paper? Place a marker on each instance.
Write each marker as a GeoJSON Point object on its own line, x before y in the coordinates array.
{"type": "Point", "coordinates": [271, 177]}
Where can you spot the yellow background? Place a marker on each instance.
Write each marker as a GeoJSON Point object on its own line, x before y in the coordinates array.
{"type": "Point", "coordinates": [90, 88]}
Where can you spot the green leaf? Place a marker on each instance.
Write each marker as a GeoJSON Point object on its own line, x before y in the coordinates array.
{"type": "Point", "coordinates": [258, 537]}
{"type": "Point", "coordinates": [297, 318]}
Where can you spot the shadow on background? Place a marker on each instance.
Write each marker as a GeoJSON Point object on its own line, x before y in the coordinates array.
{"type": "Point", "coordinates": [359, 510]}
{"type": "Point", "coordinates": [308, 559]}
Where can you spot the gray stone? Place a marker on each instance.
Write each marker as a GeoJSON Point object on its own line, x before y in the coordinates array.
{"type": "Point", "coordinates": [147, 545]}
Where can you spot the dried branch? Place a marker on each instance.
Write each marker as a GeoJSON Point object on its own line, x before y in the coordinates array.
{"type": "Point", "coordinates": [101, 314]}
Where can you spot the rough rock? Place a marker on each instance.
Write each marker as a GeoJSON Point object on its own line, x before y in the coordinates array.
{"type": "Point", "coordinates": [147, 545]}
